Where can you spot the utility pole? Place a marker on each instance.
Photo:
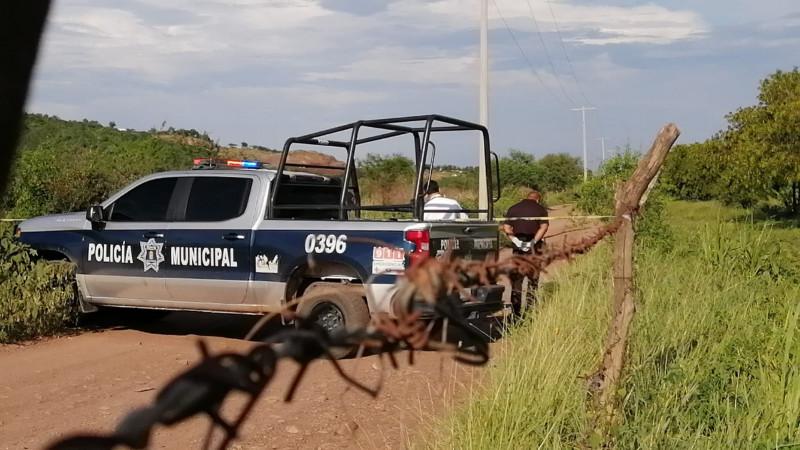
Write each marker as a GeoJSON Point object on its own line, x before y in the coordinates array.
{"type": "Point", "coordinates": [603, 143]}
{"type": "Point", "coordinates": [483, 198]}
{"type": "Point", "coordinates": [583, 110]}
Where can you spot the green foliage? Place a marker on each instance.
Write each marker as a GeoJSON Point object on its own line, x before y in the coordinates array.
{"type": "Point", "coordinates": [462, 179]}
{"type": "Point", "coordinates": [386, 179]}
{"type": "Point", "coordinates": [36, 297]}
{"type": "Point", "coordinates": [520, 169]}
{"type": "Point", "coordinates": [756, 159]}
{"type": "Point", "coordinates": [68, 165]}
{"type": "Point", "coordinates": [714, 358]}
{"type": "Point", "coordinates": [552, 173]}
{"type": "Point", "coordinates": [385, 168]}
{"type": "Point", "coordinates": [561, 172]}
{"type": "Point", "coordinates": [535, 396]}
{"type": "Point", "coordinates": [691, 172]}
{"type": "Point", "coordinates": [596, 196]}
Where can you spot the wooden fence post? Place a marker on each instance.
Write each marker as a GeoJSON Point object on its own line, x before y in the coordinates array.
{"type": "Point", "coordinates": [627, 206]}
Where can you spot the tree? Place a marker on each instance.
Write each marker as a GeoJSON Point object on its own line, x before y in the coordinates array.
{"type": "Point", "coordinates": [560, 172]}
{"type": "Point", "coordinates": [693, 172]}
{"type": "Point", "coordinates": [520, 169]}
{"type": "Point", "coordinates": [388, 169]}
{"type": "Point", "coordinates": [112, 124]}
{"type": "Point", "coordinates": [386, 179]}
{"type": "Point", "coordinates": [763, 141]}
{"type": "Point", "coordinates": [244, 144]}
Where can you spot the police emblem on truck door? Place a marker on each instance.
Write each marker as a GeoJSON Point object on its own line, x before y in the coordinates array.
{"type": "Point", "coordinates": [151, 255]}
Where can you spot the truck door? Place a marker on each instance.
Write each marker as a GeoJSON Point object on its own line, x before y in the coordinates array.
{"type": "Point", "coordinates": [125, 257]}
{"type": "Point", "coordinates": [209, 254]}
{"type": "Point", "coordinates": [467, 240]}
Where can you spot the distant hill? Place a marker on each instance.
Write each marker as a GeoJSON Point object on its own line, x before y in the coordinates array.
{"type": "Point", "coordinates": [254, 153]}
{"type": "Point", "coordinates": [67, 165]}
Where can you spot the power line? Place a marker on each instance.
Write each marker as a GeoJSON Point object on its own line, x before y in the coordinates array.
{"type": "Point", "coordinates": [547, 53]}
{"type": "Point", "coordinates": [525, 56]}
{"type": "Point", "coordinates": [566, 55]}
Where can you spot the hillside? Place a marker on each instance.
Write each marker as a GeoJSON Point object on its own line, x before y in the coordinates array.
{"type": "Point", "coordinates": [64, 165]}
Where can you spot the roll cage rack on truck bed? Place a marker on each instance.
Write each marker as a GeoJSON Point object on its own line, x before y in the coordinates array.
{"type": "Point", "coordinates": [421, 128]}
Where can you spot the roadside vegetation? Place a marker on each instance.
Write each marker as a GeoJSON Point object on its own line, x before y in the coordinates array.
{"type": "Point", "coordinates": [36, 297]}
{"type": "Point", "coordinates": [713, 360]}
{"type": "Point", "coordinates": [64, 166]}
{"type": "Point", "coordinates": [714, 354]}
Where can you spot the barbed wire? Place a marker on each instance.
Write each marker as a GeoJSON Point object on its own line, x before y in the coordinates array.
{"type": "Point", "coordinates": [436, 283]}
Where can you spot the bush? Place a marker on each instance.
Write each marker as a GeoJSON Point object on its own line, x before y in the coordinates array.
{"type": "Point", "coordinates": [713, 361]}
{"type": "Point", "coordinates": [67, 166]}
{"type": "Point", "coordinates": [596, 196]}
{"type": "Point", "coordinates": [520, 169]}
{"type": "Point", "coordinates": [386, 180]}
{"type": "Point", "coordinates": [690, 172]}
{"type": "Point", "coordinates": [36, 297]}
{"type": "Point", "coordinates": [561, 172]}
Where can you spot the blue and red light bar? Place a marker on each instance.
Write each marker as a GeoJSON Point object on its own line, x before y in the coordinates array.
{"type": "Point", "coordinates": [229, 162]}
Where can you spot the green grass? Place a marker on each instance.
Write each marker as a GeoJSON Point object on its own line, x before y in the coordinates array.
{"type": "Point", "coordinates": [713, 357]}
{"type": "Point", "coordinates": [536, 398]}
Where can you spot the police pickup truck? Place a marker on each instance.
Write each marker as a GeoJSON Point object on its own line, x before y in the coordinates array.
{"type": "Point", "coordinates": [249, 240]}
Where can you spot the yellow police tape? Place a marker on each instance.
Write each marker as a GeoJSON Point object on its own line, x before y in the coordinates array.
{"type": "Point", "coordinates": [12, 220]}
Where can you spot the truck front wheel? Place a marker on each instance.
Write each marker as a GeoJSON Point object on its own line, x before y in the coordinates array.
{"type": "Point", "coordinates": [334, 307]}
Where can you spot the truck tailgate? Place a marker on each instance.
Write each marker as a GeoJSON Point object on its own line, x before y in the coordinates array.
{"type": "Point", "coordinates": [472, 241]}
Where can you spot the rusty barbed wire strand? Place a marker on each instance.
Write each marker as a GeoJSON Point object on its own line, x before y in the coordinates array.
{"type": "Point", "coordinates": [203, 388]}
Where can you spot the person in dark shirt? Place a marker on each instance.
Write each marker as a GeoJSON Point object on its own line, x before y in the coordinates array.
{"type": "Point", "coordinates": [527, 235]}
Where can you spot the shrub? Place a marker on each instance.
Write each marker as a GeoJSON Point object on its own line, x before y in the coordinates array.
{"type": "Point", "coordinates": [385, 180]}
{"type": "Point", "coordinates": [561, 172]}
{"type": "Point", "coordinates": [520, 169]}
{"type": "Point", "coordinates": [596, 196]}
{"type": "Point", "coordinates": [67, 166]}
{"type": "Point", "coordinates": [36, 297]}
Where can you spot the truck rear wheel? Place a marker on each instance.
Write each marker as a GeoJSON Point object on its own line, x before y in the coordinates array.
{"type": "Point", "coordinates": [334, 307]}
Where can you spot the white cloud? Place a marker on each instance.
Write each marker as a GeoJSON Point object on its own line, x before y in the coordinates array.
{"type": "Point", "coordinates": [403, 65]}
{"type": "Point", "coordinates": [649, 24]}
{"type": "Point", "coordinates": [224, 34]}
{"type": "Point", "coordinates": [303, 94]}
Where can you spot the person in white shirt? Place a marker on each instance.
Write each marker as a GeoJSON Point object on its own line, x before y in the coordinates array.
{"type": "Point", "coordinates": [439, 207]}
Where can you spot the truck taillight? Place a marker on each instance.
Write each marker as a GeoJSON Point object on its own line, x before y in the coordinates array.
{"type": "Point", "coordinates": [422, 245]}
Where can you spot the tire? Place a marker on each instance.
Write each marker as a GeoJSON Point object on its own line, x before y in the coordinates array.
{"type": "Point", "coordinates": [334, 307]}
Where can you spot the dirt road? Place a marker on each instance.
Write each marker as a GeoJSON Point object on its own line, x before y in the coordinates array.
{"type": "Point", "coordinates": [87, 382]}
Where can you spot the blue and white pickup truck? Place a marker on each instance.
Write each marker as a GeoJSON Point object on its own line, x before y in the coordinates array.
{"type": "Point", "coordinates": [250, 239]}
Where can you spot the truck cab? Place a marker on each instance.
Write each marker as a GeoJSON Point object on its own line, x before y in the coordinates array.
{"type": "Point", "coordinates": [239, 237]}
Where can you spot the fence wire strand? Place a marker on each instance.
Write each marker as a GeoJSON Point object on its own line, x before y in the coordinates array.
{"type": "Point", "coordinates": [203, 388]}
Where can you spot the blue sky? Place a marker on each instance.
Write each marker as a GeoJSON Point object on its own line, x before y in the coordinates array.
{"type": "Point", "coordinates": [261, 71]}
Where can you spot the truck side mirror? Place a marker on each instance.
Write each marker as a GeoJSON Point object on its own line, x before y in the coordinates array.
{"type": "Point", "coordinates": [95, 214]}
